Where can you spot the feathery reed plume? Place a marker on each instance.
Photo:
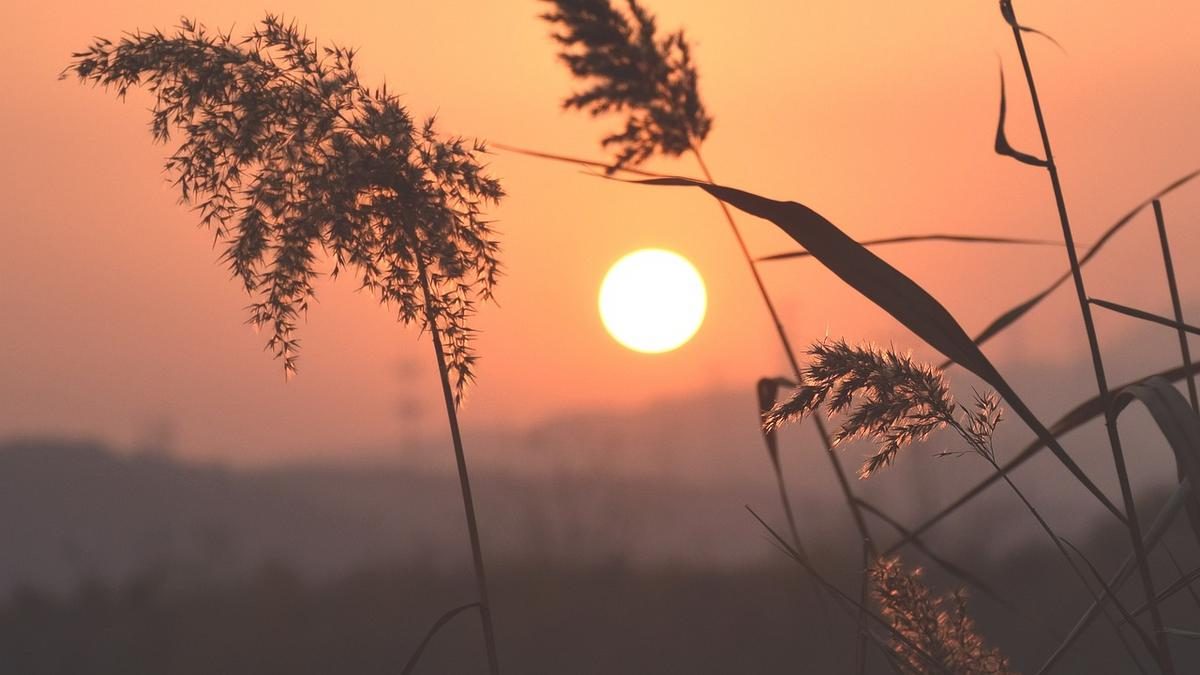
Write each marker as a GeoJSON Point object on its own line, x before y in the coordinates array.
{"type": "Point", "coordinates": [287, 155]}
{"type": "Point", "coordinates": [939, 626]}
{"type": "Point", "coordinates": [631, 70]}
{"type": "Point", "coordinates": [888, 398]}
{"type": "Point", "coordinates": [894, 401]}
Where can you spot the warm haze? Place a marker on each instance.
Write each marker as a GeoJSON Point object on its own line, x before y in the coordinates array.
{"type": "Point", "coordinates": [703, 435]}
{"type": "Point", "coordinates": [879, 115]}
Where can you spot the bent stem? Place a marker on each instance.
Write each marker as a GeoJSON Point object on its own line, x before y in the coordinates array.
{"type": "Point", "coordinates": [869, 550]}
{"type": "Point", "coordinates": [1164, 655]}
{"type": "Point", "coordinates": [464, 481]}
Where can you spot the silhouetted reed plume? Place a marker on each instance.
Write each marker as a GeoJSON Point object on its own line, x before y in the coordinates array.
{"type": "Point", "coordinates": [289, 157]}
{"type": "Point", "coordinates": [631, 70]}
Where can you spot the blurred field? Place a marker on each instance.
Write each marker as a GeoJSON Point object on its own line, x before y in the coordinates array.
{"type": "Point", "coordinates": [296, 580]}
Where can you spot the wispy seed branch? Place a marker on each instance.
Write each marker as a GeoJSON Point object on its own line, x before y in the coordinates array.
{"type": "Point", "coordinates": [630, 70]}
{"type": "Point", "coordinates": [886, 397]}
{"type": "Point", "coordinates": [287, 155]}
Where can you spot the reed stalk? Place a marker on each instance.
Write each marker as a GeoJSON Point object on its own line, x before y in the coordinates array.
{"type": "Point", "coordinates": [464, 480]}
{"type": "Point", "coordinates": [869, 551]}
{"type": "Point", "coordinates": [1163, 647]}
{"type": "Point", "coordinates": [1176, 305]}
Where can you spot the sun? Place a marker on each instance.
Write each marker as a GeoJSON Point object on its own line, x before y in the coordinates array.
{"type": "Point", "coordinates": [652, 301]}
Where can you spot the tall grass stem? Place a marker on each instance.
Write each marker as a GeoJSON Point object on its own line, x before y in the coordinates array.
{"type": "Point", "coordinates": [1097, 358]}
{"type": "Point", "coordinates": [464, 481]}
{"type": "Point", "coordinates": [1173, 284]}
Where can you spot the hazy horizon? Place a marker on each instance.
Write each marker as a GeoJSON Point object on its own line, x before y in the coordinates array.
{"type": "Point", "coordinates": [116, 318]}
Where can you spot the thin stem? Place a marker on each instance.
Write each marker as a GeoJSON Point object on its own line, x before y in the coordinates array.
{"type": "Point", "coordinates": [869, 550]}
{"type": "Point", "coordinates": [1175, 303]}
{"type": "Point", "coordinates": [1144, 315]}
{"type": "Point", "coordinates": [464, 481]}
{"type": "Point", "coordinates": [1078, 572]}
{"type": "Point", "coordinates": [1158, 527]}
{"type": "Point", "coordinates": [863, 615]}
{"type": "Point", "coordinates": [1184, 347]}
{"type": "Point", "coordinates": [437, 625]}
{"type": "Point", "coordinates": [826, 439]}
{"type": "Point", "coordinates": [1097, 360]}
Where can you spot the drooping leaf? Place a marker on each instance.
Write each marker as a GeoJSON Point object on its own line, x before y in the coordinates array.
{"type": "Point", "coordinates": [1179, 424]}
{"type": "Point", "coordinates": [1003, 147]}
{"type": "Point", "coordinates": [891, 291]}
{"type": "Point", "coordinates": [960, 238]}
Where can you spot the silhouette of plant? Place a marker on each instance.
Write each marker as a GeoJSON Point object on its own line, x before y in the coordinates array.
{"type": "Point", "coordinates": [939, 636]}
{"type": "Point", "coordinates": [888, 398]}
{"type": "Point", "coordinates": [288, 157]}
{"type": "Point", "coordinates": [654, 80]}
{"type": "Point", "coordinates": [632, 70]}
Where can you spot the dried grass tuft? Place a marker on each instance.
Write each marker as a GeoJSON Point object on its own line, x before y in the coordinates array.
{"type": "Point", "coordinates": [938, 634]}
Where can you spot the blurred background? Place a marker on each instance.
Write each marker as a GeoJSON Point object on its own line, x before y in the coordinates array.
{"type": "Point", "coordinates": [169, 504]}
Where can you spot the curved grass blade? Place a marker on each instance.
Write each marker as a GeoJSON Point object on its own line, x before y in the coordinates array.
{"type": "Point", "coordinates": [1003, 147]}
{"type": "Point", "coordinates": [437, 625]}
{"type": "Point", "coordinates": [1010, 18]}
{"type": "Point", "coordinates": [1078, 416]}
{"type": "Point", "coordinates": [1144, 315]}
{"type": "Point", "coordinates": [893, 292]}
{"type": "Point", "coordinates": [1179, 424]}
{"type": "Point", "coordinates": [913, 238]}
{"type": "Point", "coordinates": [1011, 316]}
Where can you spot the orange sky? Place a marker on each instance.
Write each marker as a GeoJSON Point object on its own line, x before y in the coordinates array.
{"type": "Point", "coordinates": [113, 313]}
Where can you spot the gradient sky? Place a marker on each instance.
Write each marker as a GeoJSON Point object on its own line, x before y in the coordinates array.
{"type": "Point", "coordinates": [115, 317]}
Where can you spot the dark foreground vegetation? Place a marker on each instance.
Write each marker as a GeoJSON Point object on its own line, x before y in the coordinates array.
{"type": "Point", "coordinates": [623, 618]}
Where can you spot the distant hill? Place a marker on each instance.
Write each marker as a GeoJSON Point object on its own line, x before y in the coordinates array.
{"type": "Point", "coordinates": [72, 509]}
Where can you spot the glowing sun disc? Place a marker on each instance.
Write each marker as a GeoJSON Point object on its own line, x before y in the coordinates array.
{"type": "Point", "coordinates": [652, 301]}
